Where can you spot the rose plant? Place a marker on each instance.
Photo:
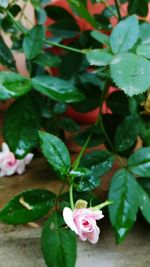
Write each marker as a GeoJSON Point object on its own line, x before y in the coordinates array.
{"type": "Point", "coordinates": [75, 53]}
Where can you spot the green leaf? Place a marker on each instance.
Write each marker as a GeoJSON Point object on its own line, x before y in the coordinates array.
{"type": "Point", "coordinates": [99, 162]}
{"type": "Point", "coordinates": [143, 50]}
{"type": "Point", "coordinates": [15, 10]}
{"type": "Point", "coordinates": [123, 193]}
{"type": "Point", "coordinates": [124, 35]}
{"type": "Point", "coordinates": [144, 33]}
{"type": "Point", "coordinates": [127, 133]}
{"type": "Point", "coordinates": [104, 22]}
{"type": "Point", "coordinates": [66, 69]}
{"type": "Point", "coordinates": [145, 132]}
{"type": "Point", "coordinates": [90, 78]}
{"type": "Point", "coordinates": [111, 122]}
{"type": "Point", "coordinates": [55, 152]}
{"type": "Point", "coordinates": [57, 89]}
{"type": "Point", "coordinates": [33, 42]}
{"type": "Point", "coordinates": [69, 125]}
{"type": "Point", "coordinates": [81, 10]}
{"type": "Point", "coordinates": [38, 3]}
{"type": "Point", "coordinates": [96, 139]}
{"type": "Point", "coordinates": [99, 57]}
{"type": "Point", "coordinates": [27, 206]}
{"type": "Point", "coordinates": [110, 11]}
{"type": "Point", "coordinates": [118, 103]}
{"type": "Point", "coordinates": [139, 162]}
{"type": "Point", "coordinates": [135, 7]}
{"type": "Point", "coordinates": [13, 85]}
{"type": "Point", "coordinates": [144, 203]}
{"type": "Point", "coordinates": [47, 59]}
{"type": "Point", "coordinates": [58, 244]}
{"type": "Point", "coordinates": [145, 184]}
{"type": "Point", "coordinates": [131, 73]}
{"type": "Point", "coordinates": [57, 13]}
{"type": "Point", "coordinates": [100, 37]}
{"type": "Point", "coordinates": [21, 124]}
{"type": "Point", "coordinates": [65, 28]}
{"type": "Point", "coordinates": [85, 180]}
{"type": "Point", "coordinates": [6, 56]}
{"type": "Point", "coordinates": [40, 15]}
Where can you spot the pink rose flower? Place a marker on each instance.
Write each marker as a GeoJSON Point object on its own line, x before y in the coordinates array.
{"type": "Point", "coordinates": [9, 164]}
{"type": "Point", "coordinates": [83, 223]}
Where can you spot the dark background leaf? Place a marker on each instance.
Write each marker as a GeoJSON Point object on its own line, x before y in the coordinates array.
{"type": "Point", "coordinates": [6, 56]}
{"type": "Point", "coordinates": [22, 121]}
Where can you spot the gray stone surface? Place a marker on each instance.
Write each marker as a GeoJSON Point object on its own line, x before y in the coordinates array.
{"type": "Point", "coordinates": [20, 247]}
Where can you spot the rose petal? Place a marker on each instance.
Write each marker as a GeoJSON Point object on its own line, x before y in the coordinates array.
{"type": "Point", "coordinates": [94, 236]}
{"type": "Point", "coordinates": [10, 170]}
{"type": "Point", "coordinates": [28, 158]}
{"type": "Point", "coordinates": [20, 166]}
{"type": "Point", "coordinates": [5, 148]}
{"type": "Point", "coordinates": [68, 218]}
{"type": "Point", "coordinates": [98, 214]}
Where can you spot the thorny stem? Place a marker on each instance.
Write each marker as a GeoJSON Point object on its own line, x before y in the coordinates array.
{"type": "Point", "coordinates": [64, 47]}
{"type": "Point", "coordinates": [71, 196]}
{"type": "Point", "coordinates": [17, 24]}
{"type": "Point", "coordinates": [23, 30]}
{"type": "Point", "coordinates": [118, 9]}
{"type": "Point", "coordinates": [57, 197]}
{"type": "Point", "coordinates": [77, 161]}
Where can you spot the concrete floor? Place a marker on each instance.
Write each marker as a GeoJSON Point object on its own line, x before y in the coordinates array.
{"type": "Point", "coordinates": [20, 247]}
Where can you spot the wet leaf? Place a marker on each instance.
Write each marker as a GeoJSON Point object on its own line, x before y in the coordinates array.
{"type": "Point", "coordinates": [55, 152]}
{"type": "Point", "coordinates": [58, 244]}
{"type": "Point", "coordinates": [139, 162]}
{"type": "Point", "coordinates": [34, 205]}
{"type": "Point", "coordinates": [21, 125]}
{"type": "Point", "coordinates": [13, 85]}
{"type": "Point", "coordinates": [124, 194]}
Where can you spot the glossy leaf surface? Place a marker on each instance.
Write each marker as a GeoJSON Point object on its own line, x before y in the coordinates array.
{"type": "Point", "coordinates": [124, 35]}
{"type": "Point", "coordinates": [131, 73]}
{"type": "Point", "coordinates": [27, 206]}
{"type": "Point", "coordinates": [99, 57]}
{"type": "Point", "coordinates": [55, 152]}
{"type": "Point", "coordinates": [33, 42]}
{"type": "Point", "coordinates": [58, 244]}
{"type": "Point", "coordinates": [123, 193]}
{"type": "Point", "coordinates": [127, 133]}
{"type": "Point", "coordinates": [139, 162]}
{"type": "Point", "coordinates": [57, 89]}
{"type": "Point", "coordinates": [6, 56]}
{"type": "Point", "coordinates": [13, 85]}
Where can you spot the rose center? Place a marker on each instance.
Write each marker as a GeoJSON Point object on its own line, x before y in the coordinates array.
{"type": "Point", "coordinates": [85, 224]}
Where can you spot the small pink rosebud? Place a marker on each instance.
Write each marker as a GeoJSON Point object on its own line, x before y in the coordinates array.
{"type": "Point", "coordinates": [83, 222]}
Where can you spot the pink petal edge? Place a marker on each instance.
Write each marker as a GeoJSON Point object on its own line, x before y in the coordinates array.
{"type": "Point", "coordinates": [68, 218]}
